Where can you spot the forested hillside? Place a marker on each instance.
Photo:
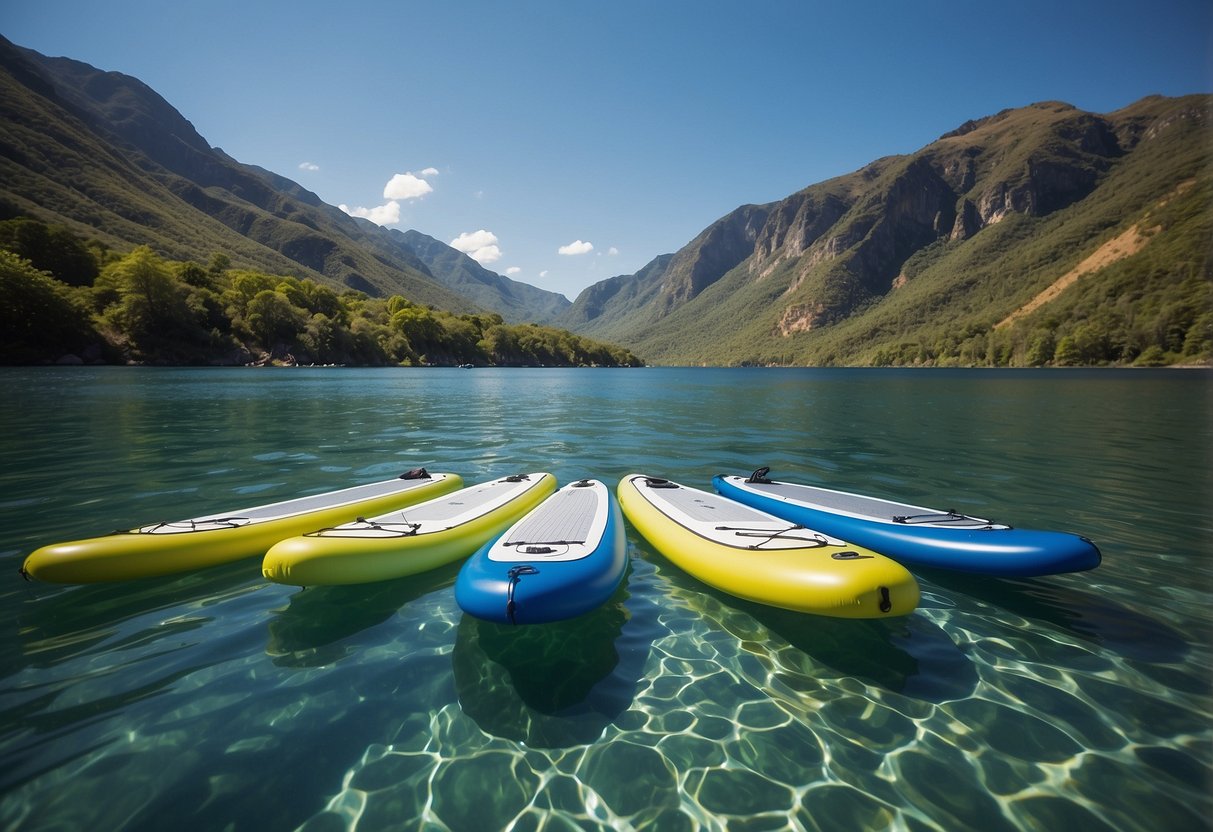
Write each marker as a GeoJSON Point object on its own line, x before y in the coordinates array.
{"type": "Point", "coordinates": [67, 301]}
{"type": "Point", "coordinates": [105, 156]}
{"type": "Point", "coordinates": [110, 201]}
{"type": "Point", "coordinates": [1038, 236]}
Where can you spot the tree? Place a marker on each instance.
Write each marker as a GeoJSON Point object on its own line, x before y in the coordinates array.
{"type": "Point", "coordinates": [219, 263]}
{"type": "Point", "coordinates": [417, 324]}
{"type": "Point", "coordinates": [1153, 356]}
{"type": "Point", "coordinates": [322, 300]}
{"type": "Point", "coordinates": [1042, 349]}
{"type": "Point", "coordinates": [151, 304]}
{"type": "Point", "coordinates": [273, 319]}
{"type": "Point", "coordinates": [319, 338]}
{"type": "Point", "coordinates": [1198, 343]}
{"type": "Point", "coordinates": [293, 289]}
{"type": "Point", "coordinates": [50, 248]}
{"type": "Point", "coordinates": [249, 284]}
{"type": "Point", "coordinates": [1067, 353]}
{"type": "Point", "coordinates": [499, 344]}
{"type": "Point", "coordinates": [39, 317]}
{"type": "Point", "coordinates": [195, 275]}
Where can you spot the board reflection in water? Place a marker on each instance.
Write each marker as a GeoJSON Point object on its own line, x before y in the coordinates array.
{"type": "Point", "coordinates": [550, 685]}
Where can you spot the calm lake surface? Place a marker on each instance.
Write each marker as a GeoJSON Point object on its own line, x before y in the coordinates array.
{"type": "Point", "coordinates": [215, 700]}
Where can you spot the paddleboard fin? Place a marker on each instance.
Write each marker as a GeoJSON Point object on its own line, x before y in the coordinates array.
{"type": "Point", "coordinates": [760, 476]}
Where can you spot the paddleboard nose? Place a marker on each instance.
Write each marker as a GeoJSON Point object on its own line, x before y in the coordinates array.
{"type": "Point", "coordinates": [276, 565]}
{"type": "Point", "coordinates": [56, 564]}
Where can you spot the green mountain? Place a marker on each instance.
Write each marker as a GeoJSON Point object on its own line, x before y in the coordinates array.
{"type": "Point", "coordinates": [104, 155]}
{"type": "Point", "coordinates": [516, 302]}
{"type": "Point", "coordinates": [1038, 235]}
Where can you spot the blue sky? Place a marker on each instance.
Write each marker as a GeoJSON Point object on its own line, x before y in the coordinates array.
{"type": "Point", "coordinates": [566, 142]}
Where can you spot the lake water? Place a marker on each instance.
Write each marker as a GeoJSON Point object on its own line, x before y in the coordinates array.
{"type": "Point", "coordinates": [218, 701]}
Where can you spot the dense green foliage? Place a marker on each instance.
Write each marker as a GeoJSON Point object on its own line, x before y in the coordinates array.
{"type": "Point", "coordinates": [50, 248]}
{"type": "Point", "coordinates": [146, 309]}
{"type": "Point", "coordinates": [39, 315]}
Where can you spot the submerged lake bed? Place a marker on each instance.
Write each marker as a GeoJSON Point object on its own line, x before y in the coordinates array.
{"type": "Point", "coordinates": [217, 700]}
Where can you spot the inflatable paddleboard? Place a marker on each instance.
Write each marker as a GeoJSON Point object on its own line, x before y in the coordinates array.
{"type": "Point", "coordinates": [399, 543]}
{"type": "Point", "coordinates": [914, 535]}
{"type": "Point", "coordinates": [756, 556]}
{"type": "Point", "coordinates": [184, 545]}
{"type": "Point", "coordinates": [566, 557]}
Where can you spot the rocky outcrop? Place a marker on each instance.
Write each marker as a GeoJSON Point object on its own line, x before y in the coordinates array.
{"type": "Point", "coordinates": [1032, 161]}
{"type": "Point", "coordinates": [968, 221]}
{"type": "Point", "coordinates": [794, 225]}
{"type": "Point", "coordinates": [910, 206]}
{"type": "Point", "coordinates": [716, 251]}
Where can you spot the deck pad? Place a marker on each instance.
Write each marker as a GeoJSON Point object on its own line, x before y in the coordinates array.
{"type": "Point", "coordinates": [860, 505]}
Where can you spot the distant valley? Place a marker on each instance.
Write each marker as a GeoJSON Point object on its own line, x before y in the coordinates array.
{"type": "Point", "coordinates": [1043, 235]}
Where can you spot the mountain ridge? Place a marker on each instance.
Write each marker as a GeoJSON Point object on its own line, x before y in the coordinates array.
{"type": "Point", "coordinates": [513, 299]}
{"type": "Point", "coordinates": [913, 258]}
{"type": "Point", "coordinates": [831, 254]}
{"type": "Point", "coordinates": [161, 182]}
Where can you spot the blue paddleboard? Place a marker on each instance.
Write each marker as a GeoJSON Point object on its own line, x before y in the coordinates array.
{"type": "Point", "coordinates": [914, 535]}
{"type": "Point", "coordinates": [564, 558]}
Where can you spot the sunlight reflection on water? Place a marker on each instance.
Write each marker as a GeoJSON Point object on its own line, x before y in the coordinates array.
{"type": "Point", "coordinates": [217, 700]}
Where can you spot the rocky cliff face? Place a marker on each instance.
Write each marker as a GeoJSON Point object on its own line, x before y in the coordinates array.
{"type": "Point", "coordinates": [840, 245]}
{"type": "Point", "coordinates": [794, 225]}
{"type": "Point", "coordinates": [719, 248]}
{"type": "Point", "coordinates": [1031, 161]}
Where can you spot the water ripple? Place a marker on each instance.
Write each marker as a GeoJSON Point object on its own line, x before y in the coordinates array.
{"type": "Point", "coordinates": [215, 700]}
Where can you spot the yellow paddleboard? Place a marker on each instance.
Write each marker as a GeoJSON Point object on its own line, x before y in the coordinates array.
{"type": "Point", "coordinates": [756, 556]}
{"type": "Point", "coordinates": [399, 543]}
{"type": "Point", "coordinates": [184, 545]}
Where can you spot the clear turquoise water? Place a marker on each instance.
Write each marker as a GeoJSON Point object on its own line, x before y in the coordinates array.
{"type": "Point", "coordinates": [217, 701]}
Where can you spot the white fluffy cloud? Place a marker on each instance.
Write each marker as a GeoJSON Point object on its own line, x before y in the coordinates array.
{"type": "Point", "coordinates": [512, 270]}
{"type": "Point", "coordinates": [482, 246]}
{"type": "Point", "coordinates": [612, 251]}
{"type": "Point", "coordinates": [308, 166]}
{"type": "Point", "coordinates": [576, 247]}
{"type": "Point", "coordinates": [400, 186]}
{"type": "Point", "coordinates": [388, 214]}
{"type": "Point", "coordinates": [406, 186]}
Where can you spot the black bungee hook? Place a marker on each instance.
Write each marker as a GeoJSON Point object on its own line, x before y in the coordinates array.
{"type": "Point", "coordinates": [515, 574]}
